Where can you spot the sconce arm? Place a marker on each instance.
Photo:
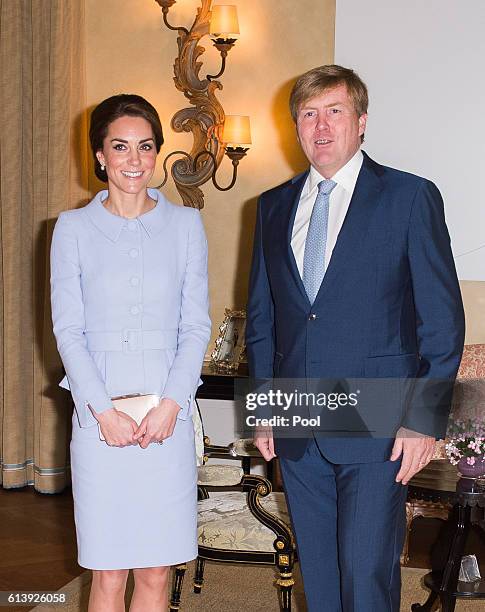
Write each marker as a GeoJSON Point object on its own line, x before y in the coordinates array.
{"type": "Point", "coordinates": [165, 161]}
{"type": "Point", "coordinates": [235, 163]}
{"type": "Point", "coordinates": [165, 10]}
{"type": "Point", "coordinates": [211, 77]}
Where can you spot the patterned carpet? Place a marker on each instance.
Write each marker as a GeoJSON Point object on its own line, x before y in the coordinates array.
{"type": "Point", "coordinates": [236, 588]}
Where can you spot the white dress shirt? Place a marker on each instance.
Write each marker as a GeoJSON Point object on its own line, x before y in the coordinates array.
{"type": "Point", "coordinates": [340, 198]}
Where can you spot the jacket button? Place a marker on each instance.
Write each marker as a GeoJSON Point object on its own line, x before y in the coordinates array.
{"type": "Point", "coordinates": [134, 253]}
{"type": "Point", "coordinates": [134, 310]}
{"type": "Point", "coordinates": [312, 317]}
{"type": "Point", "coordinates": [134, 281]}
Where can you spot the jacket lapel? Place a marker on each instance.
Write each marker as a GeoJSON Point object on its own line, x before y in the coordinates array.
{"type": "Point", "coordinates": [291, 199]}
{"type": "Point", "coordinates": [364, 202]}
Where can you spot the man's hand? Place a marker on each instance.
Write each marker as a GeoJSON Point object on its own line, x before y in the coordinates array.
{"type": "Point", "coordinates": [417, 451]}
{"type": "Point", "coordinates": [158, 424]}
{"type": "Point", "coordinates": [263, 441]}
{"type": "Point", "coordinates": [117, 427]}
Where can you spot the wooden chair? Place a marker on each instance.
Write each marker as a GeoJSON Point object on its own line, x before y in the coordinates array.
{"type": "Point", "coordinates": [240, 520]}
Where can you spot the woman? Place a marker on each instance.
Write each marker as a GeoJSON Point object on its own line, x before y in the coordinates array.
{"type": "Point", "coordinates": [130, 313]}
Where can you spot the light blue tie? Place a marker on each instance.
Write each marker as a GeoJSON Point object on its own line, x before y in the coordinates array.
{"type": "Point", "coordinates": [316, 241]}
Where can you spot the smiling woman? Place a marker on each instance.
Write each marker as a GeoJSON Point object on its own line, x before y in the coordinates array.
{"type": "Point", "coordinates": [128, 158]}
{"type": "Point", "coordinates": [130, 313]}
{"type": "Point", "coordinates": [126, 137]}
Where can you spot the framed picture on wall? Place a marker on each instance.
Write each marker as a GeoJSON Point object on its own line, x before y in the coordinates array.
{"type": "Point", "coordinates": [230, 349]}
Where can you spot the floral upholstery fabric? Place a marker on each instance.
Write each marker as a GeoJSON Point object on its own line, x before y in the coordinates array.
{"type": "Point", "coordinates": [219, 475]}
{"type": "Point", "coordinates": [473, 362]}
{"type": "Point", "coordinates": [199, 437]}
{"type": "Point", "coordinates": [469, 391]}
{"type": "Point", "coordinates": [244, 447]}
{"type": "Point", "coordinates": [225, 522]}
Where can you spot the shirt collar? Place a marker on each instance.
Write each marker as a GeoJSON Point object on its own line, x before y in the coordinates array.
{"type": "Point", "coordinates": [112, 225]}
{"type": "Point", "coordinates": [346, 177]}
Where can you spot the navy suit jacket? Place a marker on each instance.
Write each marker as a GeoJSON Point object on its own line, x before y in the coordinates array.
{"type": "Point", "coordinates": [389, 304]}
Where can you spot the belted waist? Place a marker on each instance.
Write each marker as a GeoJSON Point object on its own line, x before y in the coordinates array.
{"type": "Point", "coordinates": [132, 340]}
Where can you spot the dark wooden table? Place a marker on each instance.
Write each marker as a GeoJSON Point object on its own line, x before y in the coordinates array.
{"type": "Point", "coordinates": [468, 496]}
{"type": "Point", "coordinates": [217, 384]}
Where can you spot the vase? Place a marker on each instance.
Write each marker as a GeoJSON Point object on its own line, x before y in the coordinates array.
{"type": "Point", "coordinates": [472, 471]}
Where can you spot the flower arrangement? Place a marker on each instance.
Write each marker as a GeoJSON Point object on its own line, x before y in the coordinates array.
{"type": "Point", "coordinates": [467, 439]}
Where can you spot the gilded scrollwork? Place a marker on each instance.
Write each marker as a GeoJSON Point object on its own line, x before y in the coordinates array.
{"type": "Point", "coordinates": [204, 118]}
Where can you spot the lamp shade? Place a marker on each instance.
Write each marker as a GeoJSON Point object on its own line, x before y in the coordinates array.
{"type": "Point", "coordinates": [237, 131]}
{"type": "Point", "coordinates": [224, 23]}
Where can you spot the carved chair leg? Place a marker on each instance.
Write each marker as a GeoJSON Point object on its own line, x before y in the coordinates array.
{"type": "Point", "coordinates": [429, 605]}
{"type": "Point", "coordinates": [409, 521]}
{"type": "Point", "coordinates": [199, 575]}
{"type": "Point", "coordinates": [246, 465]}
{"type": "Point", "coordinates": [448, 602]}
{"type": "Point", "coordinates": [178, 580]}
{"type": "Point", "coordinates": [285, 584]}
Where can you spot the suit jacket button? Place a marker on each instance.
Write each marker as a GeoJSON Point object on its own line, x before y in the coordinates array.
{"type": "Point", "coordinates": [312, 317]}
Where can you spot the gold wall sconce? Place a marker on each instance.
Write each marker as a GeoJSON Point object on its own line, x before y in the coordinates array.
{"type": "Point", "coordinates": [214, 132]}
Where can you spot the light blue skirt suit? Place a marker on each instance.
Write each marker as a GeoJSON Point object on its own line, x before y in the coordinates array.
{"type": "Point", "coordinates": [130, 314]}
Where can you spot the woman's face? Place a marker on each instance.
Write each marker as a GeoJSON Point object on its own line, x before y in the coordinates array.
{"type": "Point", "coordinates": [129, 154]}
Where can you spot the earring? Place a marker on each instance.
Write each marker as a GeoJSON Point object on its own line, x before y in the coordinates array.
{"type": "Point", "coordinates": [102, 167]}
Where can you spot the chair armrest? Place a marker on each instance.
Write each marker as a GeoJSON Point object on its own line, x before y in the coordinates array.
{"type": "Point", "coordinates": [218, 450]}
{"type": "Point", "coordinates": [258, 487]}
{"type": "Point", "coordinates": [244, 447]}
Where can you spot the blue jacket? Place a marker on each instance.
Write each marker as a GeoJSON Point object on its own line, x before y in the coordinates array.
{"type": "Point", "coordinates": [130, 303]}
{"type": "Point", "coordinates": [389, 304]}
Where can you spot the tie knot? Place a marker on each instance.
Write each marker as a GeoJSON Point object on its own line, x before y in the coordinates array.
{"type": "Point", "coordinates": [326, 187]}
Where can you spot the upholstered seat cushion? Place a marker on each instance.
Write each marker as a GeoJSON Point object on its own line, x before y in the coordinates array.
{"type": "Point", "coordinates": [225, 522]}
{"type": "Point", "coordinates": [219, 475]}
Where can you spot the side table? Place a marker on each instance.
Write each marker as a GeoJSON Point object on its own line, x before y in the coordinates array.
{"type": "Point", "coordinates": [444, 584]}
{"type": "Point", "coordinates": [431, 494]}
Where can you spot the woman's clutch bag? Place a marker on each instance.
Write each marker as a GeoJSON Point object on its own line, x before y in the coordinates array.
{"type": "Point", "coordinates": [136, 406]}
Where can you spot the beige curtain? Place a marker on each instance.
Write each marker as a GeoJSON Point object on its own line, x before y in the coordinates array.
{"type": "Point", "coordinates": [43, 165]}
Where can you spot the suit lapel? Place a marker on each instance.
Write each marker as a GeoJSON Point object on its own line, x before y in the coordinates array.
{"type": "Point", "coordinates": [364, 202]}
{"type": "Point", "coordinates": [291, 199]}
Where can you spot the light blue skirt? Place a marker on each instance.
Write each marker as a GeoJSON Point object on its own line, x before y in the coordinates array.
{"type": "Point", "coordinates": [133, 507]}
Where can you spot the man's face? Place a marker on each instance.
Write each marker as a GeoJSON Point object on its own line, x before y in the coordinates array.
{"type": "Point", "coordinates": [329, 130]}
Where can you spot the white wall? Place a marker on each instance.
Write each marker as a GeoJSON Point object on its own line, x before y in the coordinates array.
{"type": "Point", "coordinates": [423, 61]}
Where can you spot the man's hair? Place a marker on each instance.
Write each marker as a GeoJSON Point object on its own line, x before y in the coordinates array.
{"type": "Point", "coordinates": [316, 81]}
{"type": "Point", "coordinates": [113, 108]}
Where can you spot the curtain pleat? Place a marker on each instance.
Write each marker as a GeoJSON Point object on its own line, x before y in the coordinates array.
{"type": "Point", "coordinates": [43, 170]}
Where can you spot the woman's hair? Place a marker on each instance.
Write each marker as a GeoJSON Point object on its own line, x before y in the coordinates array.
{"type": "Point", "coordinates": [316, 81]}
{"type": "Point", "coordinates": [113, 108]}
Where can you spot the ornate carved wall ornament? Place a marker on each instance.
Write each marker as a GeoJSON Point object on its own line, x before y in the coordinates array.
{"type": "Point", "coordinates": [205, 117]}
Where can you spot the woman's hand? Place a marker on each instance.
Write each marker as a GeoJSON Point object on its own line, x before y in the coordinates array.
{"type": "Point", "coordinates": [117, 427]}
{"type": "Point", "coordinates": [158, 424]}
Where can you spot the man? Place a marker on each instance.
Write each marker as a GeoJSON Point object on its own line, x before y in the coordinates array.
{"type": "Point", "coordinates": [352, 277]}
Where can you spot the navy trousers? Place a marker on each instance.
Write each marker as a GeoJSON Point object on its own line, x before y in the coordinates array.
{"type": "Point", "coordinates": [349, 523]}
